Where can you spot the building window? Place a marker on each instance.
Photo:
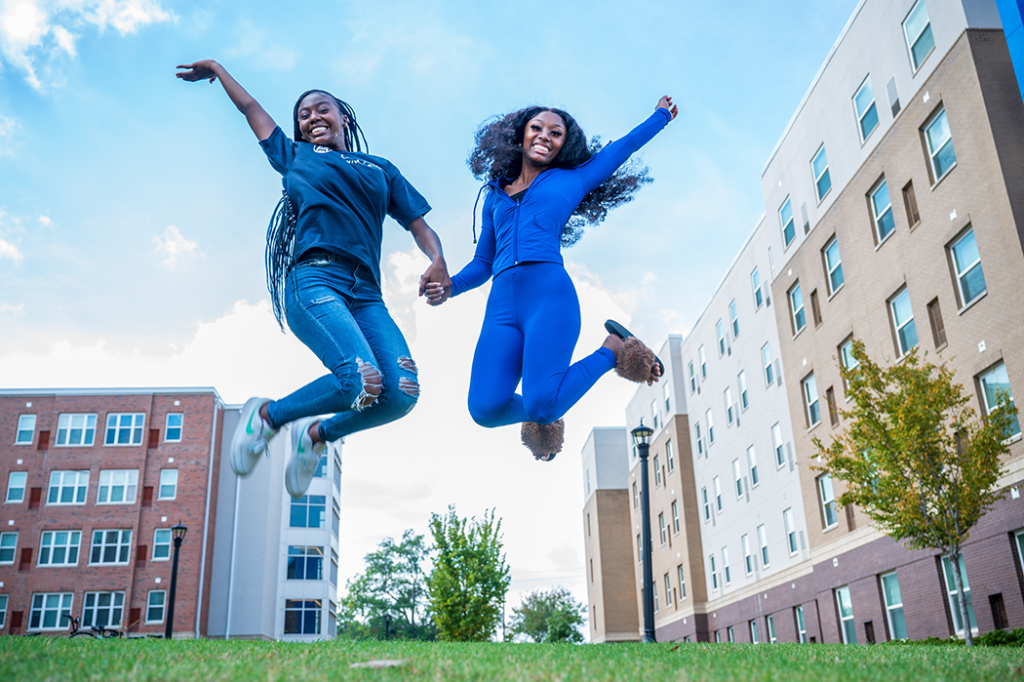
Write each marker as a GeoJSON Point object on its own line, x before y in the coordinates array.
{"type": "Point", "coordinates": [819, 169]}
{"type": "Point", "coordinates": [76, 429]}
{"type": "Point", "coordinates": [766, 360]}
{"type": "Point", "coordinates": [780, 456]}
{"type": "Point", "coordinates": [718, 494]}
{"type": "Point", "coordinates": [639, 548]}
{"type": "Point", "coordinates": [309, 511]}
{"type": "Point", "coordinates": [755, 281]}
{"type": "Point", "coordinates": [864, 105]}
{"type": "Point", "coordinates": [703, 495]}
{"type": "Point", "coordinates": [662, 528]}
{"type": "Point", "coordinates": [3, 611]}
{"type": "Point", "coordinates": [155, 606]}
{"type": "Point", "coordinates": [833, 411]}
{"type": "Point", "coordinates": [168, 484]}
{"type": "Point", "coordinates": [103, 610]}
{"type": "Point", "coordinates": [752, 465]}
{"type": "Point", "coordinates": [718, 636]}
{"type": "Point", "coordinates": [703, 362]}
{"type": "Point", "coordinates": [935, 321]}
{"type": "Point", "coordinates": [68, 487]}
{"type": "Point", "coordinates": [894, 606]}
{"type": "Point", "coordinates": [700, 442]}
{"type": "Point", "coordinates": [970, 280]}
{"type": "Point", "coordinates": [770, 622]}
{"type": "Point", "coordinates": [725, 565]}
{"type": "Point", "coordinates": [731, 634]}
{"type": "Point", "coordinates": [940, 145]}
{"type": "Point", "coordinates": [305, 563]}
{"type": "Point", "coordinates": [811, 400]}
{"type": "Point", "coordinates": [59, 548]}
{"type": "Point", "coordinates": [828, 501]}
{"type": "Point", "coordinates": [737, 477]}
{"type": "Point", "coordinates": [334, 568]}
{"type": "Point", "coordinates": [733, 319]}
{"type": "Point", "coordinates": [748, 558]}
{"type": "Point", "coordinates": [742, 378]}
{"type": "Point", "coordinates": [110, 546]}
{"type": "Point", "coordinates": [993, 382]}
{"type": "Point", "coordinates": [162, 544]}
{"type": "Point", "coordinates": [801, 629]}
{"type": "Point", "coordinates": [654, 414]}
{"type": "Point", "coordinates": [720, 332]}
{"type": "Point", "coordinates": [8, 547]}
{"type": "Point", "coordinates": [815, 308]}
{"type": "Point", "coordinates": [117, 486]}
{"type": "Point", "coordinates": [666, 393]}
{"type": "Point", "coordinates": [26, 429]}
{"type": "Point", "coordinates": [636, 497]}
{"type": "Point", "coordinates": [762, 538]}
{"type": "Point", "coordinates": [787, 517]}
{"type": "Point", "coordinates": [903, 322]}
{"type": "Point", "coordinates": [675, 516]}
{"type": "Point", "coordinates": [682, 582]}
{"type": "Point", "coordinates": [846, 355]}
{"type": "Point", "coordinates": [786, 220]}
{"type": "Point", "coordinates": [881, 211]}
{"type": "Point", "coordinates": [172, 432]}
{"type": "Point", "coordinates": [711, 426]}
{"type": "Point", "coordinates": [918, 31]}
{"type": "Point", "coordinates": [753, 632]}
{"type": "Point", "coordinates": [728, 404]}
{"type": "Point", "coordinates": [124, 429]}
{"type": "Point", "coordinates": [337, 472]}
{"type": "Point", "coordinates": [668, 456]}
{"type": "Point", "coordinates": [657, 470]}
{"type": "Point", "coordinates": [654, 593]}
{"type": "Point", "coordinates": [16, 486]}
{"type": "Point", "coordinates": [335, 519]}
{"type": "Point", "coordinates": [693, 378]}
{"type": "Point", "coordinates": [49, 609]}
{"type": "Point", "coordinates": [910, 201]}
{"type": "Point", "coordinates": [668, 590]}
{"type": "Point", "coordinates": [845, 607]}
{"type": "Point", "coordinates": [833, 266]}
{"type": "Point", "coordinates": [714, 572]}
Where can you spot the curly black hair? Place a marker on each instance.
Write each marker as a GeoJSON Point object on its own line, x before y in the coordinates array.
{"type": "Point", "coordinates": [352, 131]}
{"type": "Point", "coordinates": [499, 154]}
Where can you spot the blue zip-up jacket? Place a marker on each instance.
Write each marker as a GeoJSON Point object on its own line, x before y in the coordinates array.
{"type": "Point", "coordinates": [531, 231]}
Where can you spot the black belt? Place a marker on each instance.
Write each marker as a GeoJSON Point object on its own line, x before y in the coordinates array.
{"type": "Point", "coordinates": [320, 257]}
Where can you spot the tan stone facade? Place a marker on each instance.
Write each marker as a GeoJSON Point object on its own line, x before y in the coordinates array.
{"type": "Point", "coordinates": [610, 577]}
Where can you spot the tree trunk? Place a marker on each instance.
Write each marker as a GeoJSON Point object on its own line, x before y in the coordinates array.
{"type": "Point", "coordinates": [961, 598]}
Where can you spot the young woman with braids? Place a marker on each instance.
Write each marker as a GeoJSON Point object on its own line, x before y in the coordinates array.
{"type": "Point", "coordinates": [323, 272]}
{"type": "Point", "coordinates": [544, 183]}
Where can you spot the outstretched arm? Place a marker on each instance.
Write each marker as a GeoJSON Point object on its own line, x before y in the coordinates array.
{"type": "Point", "coordinates": [207, 69]}
{"type": "Point", "coordinates": [437, 273]}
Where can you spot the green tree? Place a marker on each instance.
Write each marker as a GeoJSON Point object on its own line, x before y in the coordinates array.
{"type": "Point", "coordinates": [390, 597]}
{"type": "Point", "coordinates": [553, 616]}
{"type": "Point", "coordinates": [915, 456]}
{"type": "Point", "coordinates": [469, 579]}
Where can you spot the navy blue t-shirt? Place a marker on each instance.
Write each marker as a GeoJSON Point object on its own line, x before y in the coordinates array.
{"type": "Point", "coordinates": [341, 198]}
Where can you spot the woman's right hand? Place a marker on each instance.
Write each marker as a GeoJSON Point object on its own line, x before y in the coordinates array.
{"type": "Point", "coordinates": [198, 71]}
{"type": "Point", "coordinates": [666, 103]}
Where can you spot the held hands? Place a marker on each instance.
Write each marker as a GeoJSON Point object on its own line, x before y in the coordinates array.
{"type": "Point", "coordinates": [666, 103]}
{"type": "Point", "coordinates": [198, 71]}
{"type": "Point", "coordinates": [435, 283]}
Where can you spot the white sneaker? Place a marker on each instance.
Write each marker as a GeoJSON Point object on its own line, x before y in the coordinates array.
{"type": "Point", "coordinates": [251, 439]}
{"type": "Point", "coordinates": [305, 458]}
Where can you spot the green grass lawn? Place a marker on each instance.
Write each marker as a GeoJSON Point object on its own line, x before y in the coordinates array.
{"type": "Point", "coordinates": [42, 659]}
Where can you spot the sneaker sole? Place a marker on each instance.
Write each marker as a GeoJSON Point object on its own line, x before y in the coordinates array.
{"type": "Point", "coordinates": [242, 460]}
{"type": "Point", "coordinates": [296, 482]}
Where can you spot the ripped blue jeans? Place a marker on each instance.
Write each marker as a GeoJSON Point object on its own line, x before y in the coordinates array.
{"type": "Point", "coordinates": [336, 309]}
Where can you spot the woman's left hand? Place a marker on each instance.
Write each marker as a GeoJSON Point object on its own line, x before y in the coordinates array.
{"type": "Point", "coordinates": [435, 283]}
{"type": "Point", "coordinates": [666, 103]}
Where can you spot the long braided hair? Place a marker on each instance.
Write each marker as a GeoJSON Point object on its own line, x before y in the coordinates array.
{"type": "Point", "coordinates": [498, 153]}
{"type": "Point", "coordinates": [280, 254]}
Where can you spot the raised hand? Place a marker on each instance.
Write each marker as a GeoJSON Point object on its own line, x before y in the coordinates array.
{"type": "Point", "coordinates": [666, 103]}
{"type": "Point", "coordinates": [198, 71]}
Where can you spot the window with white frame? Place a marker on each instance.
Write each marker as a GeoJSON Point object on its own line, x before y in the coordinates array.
{"type": "Point", "coordinates": [334, 568]}
{"type": "Point", "coordinates": [682, 582]}
{"type": "Point", "coordinates": [952, 592]}
{"type": "Point", "coordinates": [59, 547]}
{"type": "Point", "coordinates": [155, 603]}
{"type": "Point", "coordinates": [720, 332]}
{"type": "Point", "coordinates": [728, 404]}
{"type": "Point", "coordinates": [770, 622]}
{"type": "Point", "coordinates": [302, 616]}
{"type": "Point", "coordinates": [717, 482]}
{"type": "Point", "coordinates": [168, 484]}
{"type": "Point", "coordinates": [940, 145]}
{"type": "Point", "coordinates": [16, 481]}
{"type": "Point", "coordinates": [3, 611]}
{"type": "Point", "coordinates": [639, 548]}
{"type": "Point", "coordinates": [172, 431]}
{"type": "Point", "coordinates": [811, 400]}
{"type": "Point", "coordinates": [693, 378]}
{"type": "Point", "coordinates": [726, 571]}
{"type": "Point", "coordinates": [76, 430]}
{"type": "Point", "coordinates": [762, 538]}
{"type": "Point", "coordinates": [787, 517]}
{"type": "Point", "coordinates": [894, 606]}
{"type": "Point", "coordinates": [103, 610]}
{"type": "Point", "coordinates": [787, 223]}
{"type": "Point", "coordinates": [654, 414]}
{"type": "Point", "coordinates": [845, 608]}
{"type": "Point", "coordinates": [666, 393]}
{"type": "Point", "coordinates": [162, 544]}
{"type": "Point", "coordinates": [801, 629]}
{"type": "Point", "coordinates": [755, 282]}
{"type": "Point", "coordinates": [700, 442]}
{"type": "Point", "coordinates": [711, 426]}
{"type": "Point", "coordinates": [704, 498]}
{"type": "Point", "coordinates": [731, 634]}
{"type": "Point", "coordinates": [67, 487]}
{"type": "Point", "coordinates": [1019, 537]}
{"type": "Point", "coordinates": [846, 354]}
{"type": "Point", "coordinates": [748, 558]}
{"type": "Point", "coordinates": [26, 429]}
{"type": "Point", "coordinates": [654, 593]}
{"type": "Point", "coordinates": [796, 308]}
{"type": "Point", "coordinates": [118, 486]}
{"type": "Point", "coordinates": [662, 528]}
{"type": "Point", "coordinates": [994, 382]}
{"type": "Point", "coordinates": [752, 466]}
{"type": "Point", "coordinates": [124, 429]}
{"type": "Point", "coordinates": [668, 590]}
{"type": "Point", "coordinates": [669, 457]}
{"type": "Point", "coordinates": [753, 632]}
{"type": "Point", "coordinates": [703, 362]}
{"type": "Point", "coordinates": [766, 361]}
{"type": "Point", "coordinates": [970, 280]}
{"type": "Point", "coordinates": [828, 501]}
{"type": "Point", "coordinates": [737, 477]}
{"type": "Point", "coordinates": [881, 210]}
{"type": "Point", "coordinates": [308, 511]}
{"type": "Point", "coordinates": [833, 265]}
{"type": "Point", "coordinates": [636, 497]}
{"type": "Point", "coordinates": [8, 547]}
{"type": "Point", "coordinates": [780, 455]}
{"type": "Point", "coordinates": [864, 106]}
{"type": "Point", "coordinates": [714, 572]}
{"type": "Point", "coordinates": [675, 516]}
{"type": "Point", "coordinates": [733, 319]}
{"type": "Point", "coordinates": [819, 169]}
{"type": "Point", "coordinates": [903, 322]}
{"type": "Point", "coordinates": [110, 546]}
{"type": "Point", "coordinates": [49, 610]}
{"type": "Point", "coordinates": [917, 29]}
{"type": "Point", "coordinates": [742, 379]}
{"type": "Point", "coordinates": [305, 563]}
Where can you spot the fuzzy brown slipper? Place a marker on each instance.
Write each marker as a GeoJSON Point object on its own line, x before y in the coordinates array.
{"type": "Point", "coordinates": [544, 440]}
{"type": "Point", "coordinates": [635, 361]}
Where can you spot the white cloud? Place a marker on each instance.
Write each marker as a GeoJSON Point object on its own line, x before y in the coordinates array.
{"type": "Point", "coordinates": [10, 308]}
{"type": "Point", "coordinates": [9, 250]}
{"type": "Point", "coordinates": [173, 245]}
{"type": "Point", "coordinates": [255, 43]}
{"type": "Point", "coordinates": [7, 128]}
{"type": "Point", "coordinates": [45, 220]}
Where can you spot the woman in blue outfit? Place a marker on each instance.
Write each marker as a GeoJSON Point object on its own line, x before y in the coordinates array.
{"type": "Point", "coordinates": [323, 272]}
{"type": "Point", "coordinates": [544, 183]}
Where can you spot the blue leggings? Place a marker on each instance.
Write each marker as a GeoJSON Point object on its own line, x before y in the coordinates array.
{"type": "Point", "coordinates": [530, 329]}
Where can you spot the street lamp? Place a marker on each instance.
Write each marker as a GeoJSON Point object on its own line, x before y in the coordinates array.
{"type": "Point", "coordinates": [178, 533]}
{"type": "Point", "coordinates": [641, 436]}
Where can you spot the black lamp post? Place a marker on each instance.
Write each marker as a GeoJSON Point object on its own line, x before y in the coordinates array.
{"type": "Point", "coordinates": [178, 532]}
{"type": "Point", "coordinates": [641, 436]}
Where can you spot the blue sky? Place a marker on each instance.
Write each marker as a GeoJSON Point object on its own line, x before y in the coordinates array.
{"type": "Point", "coordinates": [133, 206]}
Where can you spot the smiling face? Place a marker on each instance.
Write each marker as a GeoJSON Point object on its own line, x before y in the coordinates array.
{"type": "Point", "coordinates": [543, 138]}
{"type": "Point", "coordinates": [321, 121]}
